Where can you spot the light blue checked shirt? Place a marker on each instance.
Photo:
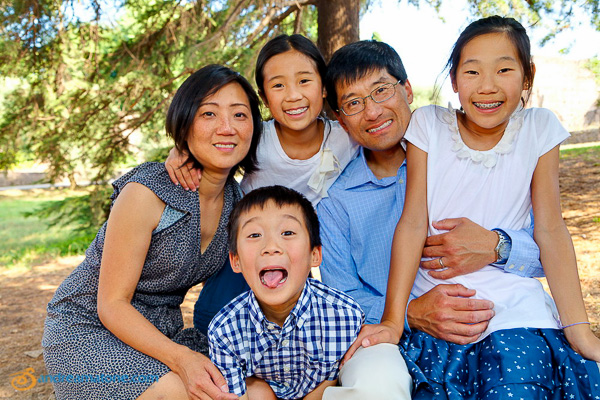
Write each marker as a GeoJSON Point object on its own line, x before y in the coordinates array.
{"type": "Point", "coordinates": [293, 359]}
{"type": "Point", "coordinates": [358, 219]}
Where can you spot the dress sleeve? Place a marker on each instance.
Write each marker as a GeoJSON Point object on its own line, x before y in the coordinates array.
{"type": "Point", "coordinates": [549, 130]}
{"type": "Point", "coordinates": [419, 127]}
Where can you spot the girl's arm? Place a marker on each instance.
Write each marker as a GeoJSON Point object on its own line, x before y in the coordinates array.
{"type": "Point", "coordinates": [135, 214]}
{"type": "Point", "coordinates": [558, 256]}
{"type": "Point", "coordinates": [409, 240]}
{"type": "Point", "coordinates": [407, 246]}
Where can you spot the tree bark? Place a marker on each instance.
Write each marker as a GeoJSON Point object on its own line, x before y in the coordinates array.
{"type": "Point", "coordinates": [338, 24]}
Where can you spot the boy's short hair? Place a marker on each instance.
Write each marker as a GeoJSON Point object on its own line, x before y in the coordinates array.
{"type": "Point", "coordinates": [282, 196]}
{"type": "Point", "coordinates": [355, 60]}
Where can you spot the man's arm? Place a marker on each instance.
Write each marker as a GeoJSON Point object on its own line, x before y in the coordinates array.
{"type": "Point", "coordinates": [338, 269]}
{"type": "Point", "coordinates": [468, 247]}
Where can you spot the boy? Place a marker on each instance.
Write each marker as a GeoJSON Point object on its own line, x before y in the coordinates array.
{"type": "Point", "coordinates": [289, 330]}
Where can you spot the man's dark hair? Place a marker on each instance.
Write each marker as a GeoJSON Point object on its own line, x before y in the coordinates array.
{"type": "Point", "coordinates": [282, 196]}
{"type": "Point", "coordinates": [356, 60]}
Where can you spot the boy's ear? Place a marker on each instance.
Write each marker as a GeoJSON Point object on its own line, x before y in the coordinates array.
{"type": "Point", "coordinates": [234, 260]}
{"type": "Point", "coordinates": [316, 256]}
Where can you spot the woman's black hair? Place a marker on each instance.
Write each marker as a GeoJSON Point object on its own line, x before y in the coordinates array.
{"type": "Point", "coordinates": [356, 60]}
{"type": "Point", "coordinates": [281, 44]}
{"type": "Point", "coordinates": [515, 32]}
{"type": "Point", "coordinates": [281, 196]}
{"type": "Point", "coordinates": [201, 84]}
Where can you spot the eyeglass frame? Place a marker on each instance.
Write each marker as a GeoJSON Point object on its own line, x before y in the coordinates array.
{"type": "Point", "coordinates": [364, 99]}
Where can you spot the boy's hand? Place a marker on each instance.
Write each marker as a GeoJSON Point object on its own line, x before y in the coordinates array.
{"type": "Point", "coordinates": [372, 334]}
{"type": "Point", "coordinates": [182, 173]}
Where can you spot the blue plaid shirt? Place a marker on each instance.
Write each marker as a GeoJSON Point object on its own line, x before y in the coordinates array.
{"type": "Point", "coordinates": [293, 359]}
{"type": "Point", "coordinates": [358, 220]}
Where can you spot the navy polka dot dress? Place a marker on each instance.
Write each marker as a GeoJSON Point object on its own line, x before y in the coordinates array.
{"type": "Point", "coordinates": [521, 363]}
{"type": "Point", "coordinates": [75, 341]}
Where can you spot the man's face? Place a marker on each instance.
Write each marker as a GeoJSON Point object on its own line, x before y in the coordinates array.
{"type": "Point", "coordinates": [380, 126]}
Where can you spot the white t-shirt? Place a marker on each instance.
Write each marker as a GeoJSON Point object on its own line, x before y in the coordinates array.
{"type": "Point", "coordinates": [311, 177]}
{"type": "Point", "coordinates": [492, 188]}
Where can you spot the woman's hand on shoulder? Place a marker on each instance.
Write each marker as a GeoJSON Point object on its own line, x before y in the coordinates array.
{"type": "Point", "coordinates": [201, 377]}
{"type": "Point", "coordinates": [181, 172]}
{"type": "Point", "coordinates": [583, 341]}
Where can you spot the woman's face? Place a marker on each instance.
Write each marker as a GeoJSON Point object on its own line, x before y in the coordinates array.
{"type": "Point", "coordinates": [221, 134]}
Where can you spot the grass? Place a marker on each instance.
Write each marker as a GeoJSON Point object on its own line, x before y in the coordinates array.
{"type": "Point", "coordinates": [589, 153]}
{"type": "Point", "coordinates": [25, 241]}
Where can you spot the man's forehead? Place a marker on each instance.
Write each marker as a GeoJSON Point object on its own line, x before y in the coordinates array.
{"type": "Point", "coordinates": [370, 80]}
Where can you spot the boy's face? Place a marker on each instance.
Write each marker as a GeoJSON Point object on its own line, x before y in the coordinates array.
{"type": "Point", "coordinates": [275, 256]}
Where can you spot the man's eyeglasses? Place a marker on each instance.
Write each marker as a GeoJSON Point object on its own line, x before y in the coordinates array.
{"type": "Point", "coordinates": [378, 95]}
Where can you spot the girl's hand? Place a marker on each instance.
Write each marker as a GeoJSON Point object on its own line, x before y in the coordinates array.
{"type": "Point", "coordinates": [372, 334]}
{"type": "Point", "coordinates": [583, 341]}
{"type": "Point", "coordinates": [182, 173]}
{"type": "Point", "coordinates": [200, 377]}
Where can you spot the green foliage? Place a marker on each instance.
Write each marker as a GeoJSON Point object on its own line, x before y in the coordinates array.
{"type": "Point", "coordinates": [27, 240]}
{"type": "Point", "coordinates": [423, 96]}
{"type": "Point", "coordinates": [83, 213]}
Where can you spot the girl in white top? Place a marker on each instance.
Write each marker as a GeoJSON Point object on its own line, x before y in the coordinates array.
{"type": "Point", "coordinates": [492, 161]}
{"type": "Point", "coordinates": [299, 149]}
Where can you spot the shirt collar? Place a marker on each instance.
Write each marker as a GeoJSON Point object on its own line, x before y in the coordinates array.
{"type": "Point", "coordinates": [362, 174]}
{"type": "Point", "coordinates": [299, 314]}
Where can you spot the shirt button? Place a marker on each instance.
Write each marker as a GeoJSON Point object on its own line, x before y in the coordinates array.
{"type": "Point", "coordinates": [285, 343]}
{"type": "Point", "coordinates": [521, 268]}
{"type": "Point", "coordinates": [286, 384]}
{"type": "Point", "coordinates": [271, 326]}
{"type": "Point", "coordinates": [512, 266]}
{"type": "Point", "coordinates": [400, 181]}
{"type": "Point", "coordinates": [286, 368]}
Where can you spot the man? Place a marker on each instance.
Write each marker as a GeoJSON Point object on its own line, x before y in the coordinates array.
{"type": "Point", "coordinates": [368, 87]}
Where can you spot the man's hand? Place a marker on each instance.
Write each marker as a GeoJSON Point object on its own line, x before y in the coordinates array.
{"type": "Point", "coordinates": [182, 173]}
{"type": "Point", "coordinates": [447, 312]}
{"type": "Point", "coordinates": [465, 248]}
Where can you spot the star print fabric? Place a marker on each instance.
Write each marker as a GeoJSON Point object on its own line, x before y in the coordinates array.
{"type": "Point", "coordinates": [522, 363]}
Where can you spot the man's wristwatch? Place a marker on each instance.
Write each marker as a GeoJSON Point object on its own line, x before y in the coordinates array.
{"type": "Point", "coordinates": [503, 247]}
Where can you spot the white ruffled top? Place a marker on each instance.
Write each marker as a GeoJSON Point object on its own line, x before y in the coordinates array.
{"type": "Point", "coordinates": [488, 157]}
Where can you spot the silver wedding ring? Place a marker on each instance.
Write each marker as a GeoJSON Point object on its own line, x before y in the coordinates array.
{"type": "Point", "coordinates": [441, 263]}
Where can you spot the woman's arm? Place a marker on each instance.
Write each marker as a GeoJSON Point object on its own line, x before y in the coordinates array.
{"type": "Point", "coordinates": [135, 214]}
{"type": "Point", "coordinates": [407, 246]}
{"type": "Point", "coordinates": [558, 255]}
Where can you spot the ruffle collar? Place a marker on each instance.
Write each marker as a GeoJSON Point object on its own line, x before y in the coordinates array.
{"type": "Point", "coordinates": [488, 158]}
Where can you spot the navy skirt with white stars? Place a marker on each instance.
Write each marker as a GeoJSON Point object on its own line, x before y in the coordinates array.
{"type": "Point", "coordinates": [522, 363]}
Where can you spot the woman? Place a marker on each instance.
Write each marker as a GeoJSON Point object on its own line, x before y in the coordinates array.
{"type": "Point", "coordinates": [115, 323]}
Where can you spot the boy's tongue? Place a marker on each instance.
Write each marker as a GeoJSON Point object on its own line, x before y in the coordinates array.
{"type": "Point", "coordinates": [271, 278]}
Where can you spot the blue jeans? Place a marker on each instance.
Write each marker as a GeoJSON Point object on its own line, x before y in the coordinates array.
{"type": "Point", "coordinates": [218, 290]}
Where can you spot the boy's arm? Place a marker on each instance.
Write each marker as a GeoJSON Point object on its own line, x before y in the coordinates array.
{"type": "Point", "coordinates": [338, 268]}
{"type": "Point", "coordinates": [222, 354]}
{"type": "Point", "coordinates": [317, 393]}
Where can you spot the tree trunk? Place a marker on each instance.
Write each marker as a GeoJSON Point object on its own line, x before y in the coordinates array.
{"type": "Point", "coordinates": [338, 24]}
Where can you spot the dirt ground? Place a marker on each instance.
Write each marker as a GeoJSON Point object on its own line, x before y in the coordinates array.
{"type": "Point", "coordinates": [24, 294]}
